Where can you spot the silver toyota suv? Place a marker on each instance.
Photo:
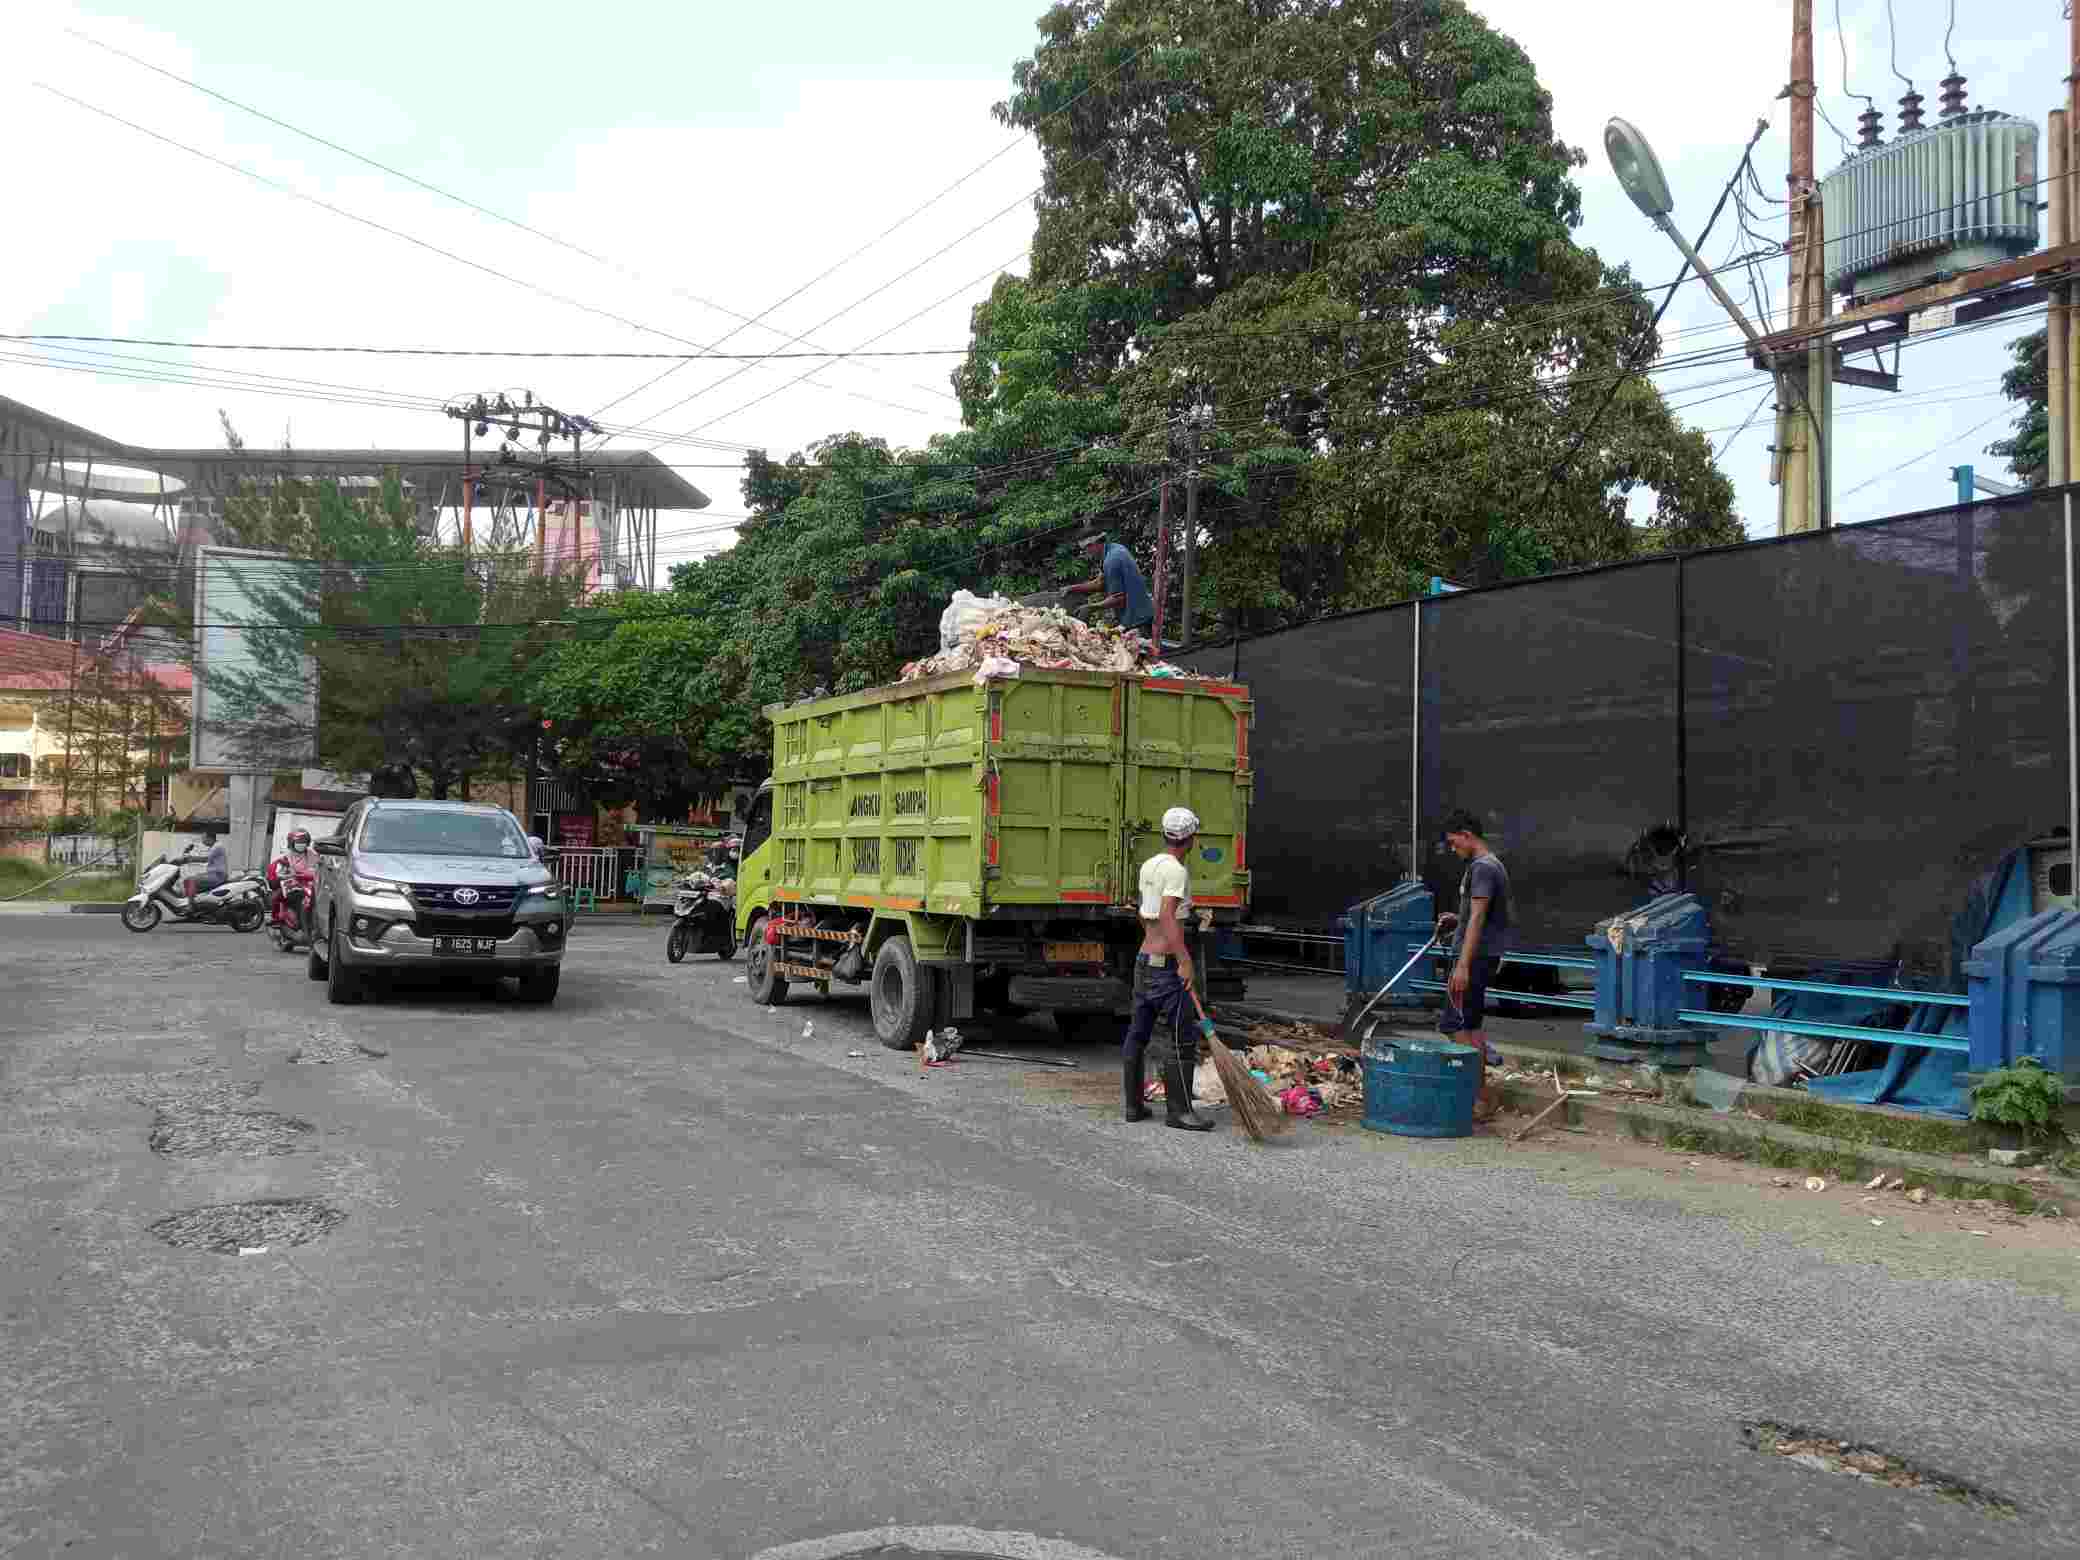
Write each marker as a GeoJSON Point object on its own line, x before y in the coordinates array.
{"type": "Point", "coordinates": [444, 887]}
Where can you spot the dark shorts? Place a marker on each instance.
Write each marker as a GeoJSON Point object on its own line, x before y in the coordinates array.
{"type": "Point", "coordinates": [1471, 1014]}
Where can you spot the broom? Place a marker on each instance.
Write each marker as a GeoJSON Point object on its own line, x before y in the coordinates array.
{"type": "Point", "coordinates": [1258, 1112]}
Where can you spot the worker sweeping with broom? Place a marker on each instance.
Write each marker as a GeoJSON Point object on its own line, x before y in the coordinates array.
{"type": "Point", "coordinates": [1163, 977]}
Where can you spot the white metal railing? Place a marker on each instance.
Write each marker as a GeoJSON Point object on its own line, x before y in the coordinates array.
{"type": "Point", "coordinates": [588, 867]}
{"type": "Point", "coordinates": [78, 850]}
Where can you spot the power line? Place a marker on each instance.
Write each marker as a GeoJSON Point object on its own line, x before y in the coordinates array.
{"type": "Point", "coordinates": [397, 233]}
{"type": "Point", "coordinates": [1039, 189]}
{"type": "Point", "coordinates": [471, 352]}
{"type": "Point", "coordinates": [900, 222]}
{"type": "Point", "coordinates": [1892, 35]}
{"type": "Point", "coordinates": [445, 194]}
{"type": "Point", "coordinates": [1948, 440]}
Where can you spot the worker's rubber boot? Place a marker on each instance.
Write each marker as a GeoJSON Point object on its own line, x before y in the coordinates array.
{"type": "Point", "coordinates": [1177, 1096]}
{"type": "Point", "coordinates": [1134, 1086]}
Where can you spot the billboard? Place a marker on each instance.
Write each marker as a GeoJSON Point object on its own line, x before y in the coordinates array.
{"type": "Point", "coordinates": [256, 688]}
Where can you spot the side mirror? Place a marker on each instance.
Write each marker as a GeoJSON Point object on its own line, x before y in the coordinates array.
{"type": "Point", "coordinates": [329, 847]}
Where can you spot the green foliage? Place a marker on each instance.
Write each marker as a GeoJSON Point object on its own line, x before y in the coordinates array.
{"type": "Point", "coordinates": [1339, 237]}
{"type": "Point", "coordinates": [423, 656]}
{"type": "Point", "coordinates": [2028, 380]}
{"type": "Point", "coordinates": [2024, 1096]}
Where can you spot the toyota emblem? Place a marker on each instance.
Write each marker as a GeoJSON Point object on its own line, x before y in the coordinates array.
{"type": "Point", "coordinates": [465, 896]}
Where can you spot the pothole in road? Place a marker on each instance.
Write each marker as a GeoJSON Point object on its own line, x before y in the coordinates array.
{"type": "Point", "coordinates": [326, 1046]}
{"type": "Point", "coordinates": [183, 1132]}
{"type": "Point", "coordinates": [935, 1542]}
{"type": "Point", "coordinates": [229, 1228]}
{"type": "Point", "coordinates": [1826, 1454]}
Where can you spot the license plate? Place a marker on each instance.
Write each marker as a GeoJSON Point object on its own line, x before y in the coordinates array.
{"type": "Point", "coordinates": [1075, 953]}
{"type": "Point", "coordinates": [474, 947]}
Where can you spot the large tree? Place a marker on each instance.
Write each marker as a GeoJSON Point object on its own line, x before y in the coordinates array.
{"type": "Point", "coordinates": [1342, 234]}
{"type": "Point", "coordinates": [2028, 382]}
{"type": "Point", "coordinates": [422, 655]}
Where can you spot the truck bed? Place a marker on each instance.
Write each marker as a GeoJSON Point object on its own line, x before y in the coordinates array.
{"type": "Point", "coordinates": [1034, 796]}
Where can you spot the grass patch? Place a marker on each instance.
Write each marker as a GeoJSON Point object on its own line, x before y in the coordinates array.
{"type": "Point", "coordinates": [22, 877]}
{"type": "Point", "coordinates": [1839, 1165]}
{"type": "Point", "coordinates": [1875, 1129]}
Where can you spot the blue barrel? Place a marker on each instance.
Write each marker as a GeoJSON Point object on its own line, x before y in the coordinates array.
{"type": "Point", "coordinates": [1417, 1087]}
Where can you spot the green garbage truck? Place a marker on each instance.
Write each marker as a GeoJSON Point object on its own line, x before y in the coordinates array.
{"type": "Point", "coordinates": [958, 848]}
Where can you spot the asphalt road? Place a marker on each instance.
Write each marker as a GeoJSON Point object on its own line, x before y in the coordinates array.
{"type": "Point", "coordinates": [655, 1272]}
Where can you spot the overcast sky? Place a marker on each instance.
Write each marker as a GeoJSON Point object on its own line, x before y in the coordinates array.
{"type": "Point", "coordinates": [720, 157]}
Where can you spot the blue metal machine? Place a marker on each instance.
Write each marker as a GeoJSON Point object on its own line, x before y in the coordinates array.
{"type": "Point", "coordinates": [2025, 995]}
{"type": "Point", "coordinates": [1642, 958]}
{"type": "Point", "coordinates": [1378, 936]}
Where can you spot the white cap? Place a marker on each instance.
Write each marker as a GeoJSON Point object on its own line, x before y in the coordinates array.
{"type": "Point", "coordinates": [1180, 823]}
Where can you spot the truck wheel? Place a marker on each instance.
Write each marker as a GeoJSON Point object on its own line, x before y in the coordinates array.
{"type": "Point", "coordinates": [766, 985]}
{"type": "Point", "coordinates": [539, 985]}
{"type": "Point", "coordinates": [313, 966]}
{"type": "Point", "coordinates": [902, 1009]}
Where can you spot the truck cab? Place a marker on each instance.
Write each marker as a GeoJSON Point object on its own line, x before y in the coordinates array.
{"type": "Point", "coordinates": [755, 864]}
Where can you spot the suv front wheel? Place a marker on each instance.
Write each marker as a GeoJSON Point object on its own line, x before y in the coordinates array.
{"type": "Point", "coordinates": [342, 985]}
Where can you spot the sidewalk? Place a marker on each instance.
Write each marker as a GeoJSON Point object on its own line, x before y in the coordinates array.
{"type": "Point", "coordinates": [1319, 999]}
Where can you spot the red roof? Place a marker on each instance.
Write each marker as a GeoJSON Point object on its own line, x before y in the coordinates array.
{"type": "Point", "coordinates": [33, 654]}
{"type": "Point", "coordinates": [37, 664]}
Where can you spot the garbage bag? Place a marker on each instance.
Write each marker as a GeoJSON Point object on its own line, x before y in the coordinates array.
{"type": "Point", "coordinates": [965, 616]}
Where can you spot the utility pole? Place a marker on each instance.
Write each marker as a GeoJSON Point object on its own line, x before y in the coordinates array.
{"type": "Point", "coordinates": [1191, 536]}
{"type": "Point", "coordinates": [538, 422]}
{"type": "Point", "coordinates": [2058, 387]}
{"type": "Point", "coordinates": [1802, 480]}
{"type": "Point", "coordinates": [469, 483]}
{"type": "Point", "coordinates": [1162, 579]}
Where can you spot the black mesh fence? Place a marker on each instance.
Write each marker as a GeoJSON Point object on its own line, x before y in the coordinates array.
{"type": "Point", "coordinates": [1873, 714]}
{"type": "Point", "coordinates": [1334, 708]}
{"type": "Point", "coordinates": [1846, 727]}
{"type": "Point", "coordinates": [1549, 710]}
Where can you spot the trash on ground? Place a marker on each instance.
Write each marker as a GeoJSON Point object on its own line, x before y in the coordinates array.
{"type": "Point", "coordinates": [855, 1053]}
{"type": "Point", "coordinates": [1918, 1195]}
{"type": "Point", "coordinates": [1875, 1182]}
{"type": "Point", "coordinates": [252, 1251]}
{"type": "Point", "coordinates": [741, 980]}
{"type": "Point", "coordinates": [1815, 1183]}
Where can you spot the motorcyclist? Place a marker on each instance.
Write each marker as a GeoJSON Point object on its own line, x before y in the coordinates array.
{"type": "Point", "coordinates": [216, 868]}
{"type": "Point", "coordinates": [293, 868]}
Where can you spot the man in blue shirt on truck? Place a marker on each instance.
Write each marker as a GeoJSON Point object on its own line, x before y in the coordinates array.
{"type": "Point", "coordinates": [1119, 577]}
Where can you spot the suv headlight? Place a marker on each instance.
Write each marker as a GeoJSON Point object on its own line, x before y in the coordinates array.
{"type": "Point", "coordinates": [369, 885]}
{"type": "Point", "coordinates": [543, 891]}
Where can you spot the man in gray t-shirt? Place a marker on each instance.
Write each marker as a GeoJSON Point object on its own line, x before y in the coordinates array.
{"type": "Point", "coordinates": [1484, 935]}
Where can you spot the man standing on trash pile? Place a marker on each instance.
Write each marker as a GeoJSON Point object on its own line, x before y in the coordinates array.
{"type": "Point", "coordinates": [1484, 936]}
{"type": "Point", "coordinates": [1163, 978]}
{"type": "Point", "coordinates": [1119, 577]}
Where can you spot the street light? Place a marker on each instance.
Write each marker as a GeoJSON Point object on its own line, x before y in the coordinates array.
{"type": "Point", "coordinates": [1637, 168]}
{"type": "Point", "coordinates": [1639, 171]}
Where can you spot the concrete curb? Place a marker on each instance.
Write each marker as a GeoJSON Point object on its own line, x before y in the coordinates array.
{"type": "Point", "coordinates": [1641, 1118]}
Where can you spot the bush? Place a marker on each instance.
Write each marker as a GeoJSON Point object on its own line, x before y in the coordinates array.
{"type": "Point", "coordinates": [2024, 1096]}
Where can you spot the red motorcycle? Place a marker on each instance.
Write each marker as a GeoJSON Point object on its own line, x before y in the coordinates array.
{"type": "Point", "coordinates": [293, 878]}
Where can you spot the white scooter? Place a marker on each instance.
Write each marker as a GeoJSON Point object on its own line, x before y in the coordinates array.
{"type": "Point", "coordinates": [240, 904]}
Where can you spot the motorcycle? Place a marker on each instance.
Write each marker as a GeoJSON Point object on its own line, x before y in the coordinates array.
{"type": "Point", "coordinates": [702, 921]}
{"type": "Point", "coordinates": [239, 904]}
{"type": "Point", "coordinates": [289, 911]}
